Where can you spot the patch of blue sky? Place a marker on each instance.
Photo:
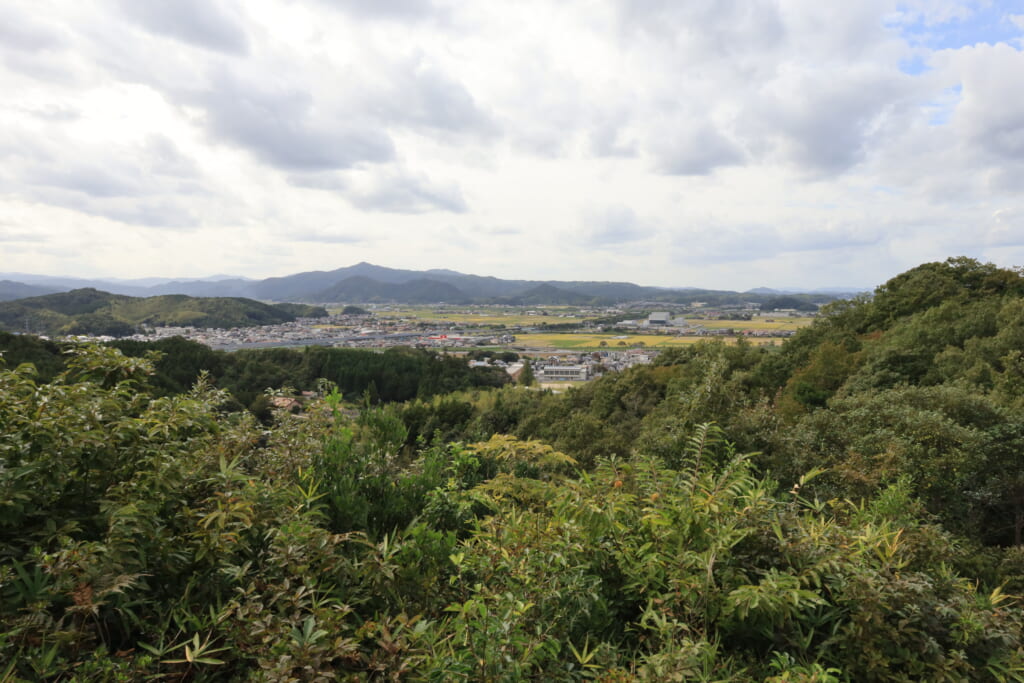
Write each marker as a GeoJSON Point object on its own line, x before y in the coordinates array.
{"type": "Point", "coordinates": [986, 23]}
{"type": "Point", "coordinates": [940, 110]}
{"type": "Point", "coordinates": [914, 66]}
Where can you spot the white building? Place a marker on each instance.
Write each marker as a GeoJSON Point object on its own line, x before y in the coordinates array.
{"type": "Point", "coordinates": [659, 319]}
{"type": "Point", "coordinates": [564, 373]}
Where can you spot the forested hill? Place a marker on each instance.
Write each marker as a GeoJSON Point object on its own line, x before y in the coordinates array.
{"type": "Point", "coordinates": [365, 283]}
{"type": "Point", "coordinates": [849, 507]}
{"type": "Point", "coordinates": [90, 311]}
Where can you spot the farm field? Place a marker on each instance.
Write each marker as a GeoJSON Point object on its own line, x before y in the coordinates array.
{"type": "Point", "coordinates": [758, 323]}
{"type": "Point", "coordinates": [590, 342]}
{"type": "Point", "coordinates": [485, 316]}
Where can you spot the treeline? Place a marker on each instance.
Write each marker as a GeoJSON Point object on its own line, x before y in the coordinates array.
{"type": "Point", "coordinates": [845, 509]}
{"type": "Point", "coordinates": [397, 374]}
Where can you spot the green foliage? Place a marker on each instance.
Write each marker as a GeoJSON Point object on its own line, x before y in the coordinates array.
{"type": "Point", "coordinates": [526, 378]}
{"type": "Point", "coordinates": [161, 527]}
{"type": "Point", "coordinates": [90, 311]}
{"type": "Point", "coordinates": [45, 356]}
{"type": "Point", "coordinates": [701, 573]}
{"type": "Point", "coordinates": [619, 532]}
{"type": "Point", "coordinates": [813, 385]}
{"type": "Point", "coordinates": [302, 310]}
{"type": "Point", "coordinates": [445, 418]}
{"type": "Point", "coordinates": [181, 362]}
{"type": "Point", "coordinates": [399, 374]}
{"type": "Point", "coordinates": [800, 302]}
{"type": "Point", "coordinates": [957, 279]}
{"type": "Point", "coordinates": [956, 446]}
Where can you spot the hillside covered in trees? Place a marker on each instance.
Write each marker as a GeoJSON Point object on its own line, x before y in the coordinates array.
{"type": "Point", "coordinates": [90, 311]}
{"type": "Point", "coordinates": [365, 283]}
{"type": "Point", "coordinates": [849, 507]}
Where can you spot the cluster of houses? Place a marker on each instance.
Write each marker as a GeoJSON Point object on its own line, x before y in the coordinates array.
{"type": "Point", "coordinates": [350, 331]}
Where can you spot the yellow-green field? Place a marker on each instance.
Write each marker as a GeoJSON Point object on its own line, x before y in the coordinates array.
{"type": "Point", "coordinates": [759, 323]}
{"type": "Point", "coordinates": [488, 315]}
{"type": "Point", "coordinates": [483, 317]}
{"type": "Point", "coordinates": [593, 341]}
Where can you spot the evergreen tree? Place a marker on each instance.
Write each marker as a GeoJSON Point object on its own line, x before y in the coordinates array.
{"type": "Point", "coordinates": [526, 377]}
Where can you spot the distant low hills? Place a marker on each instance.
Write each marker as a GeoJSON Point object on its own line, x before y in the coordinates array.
{"type": "Point", "coordinates": [548, 294]}
{"type": "Point", "coordinates": [10, 290]}
{"type": "Point", "coordinates": [367, 283]}
{"type": "Point", "coordinates": [91, 311]}
{"type": "Point", "coordinates": [418, 291]}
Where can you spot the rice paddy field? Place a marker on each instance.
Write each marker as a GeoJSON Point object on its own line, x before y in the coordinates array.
{"type": "Point", "coordinates": [590, 342]}
{"type": "Point", "coordinates": [758, 323]}
{"type": "Point", "coordinates": [487, 316]}
{"type": "Point", "coordinates": [562, 315]}
{"type": "Point", "coordinates": [493, 316]}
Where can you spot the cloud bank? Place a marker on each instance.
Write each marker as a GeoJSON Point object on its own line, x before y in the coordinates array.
{"type": "Point", "coordinates": [711, 143]}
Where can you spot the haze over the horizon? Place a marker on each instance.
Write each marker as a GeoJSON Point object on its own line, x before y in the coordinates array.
{"type": "Point", "coordinates": [788, 143]}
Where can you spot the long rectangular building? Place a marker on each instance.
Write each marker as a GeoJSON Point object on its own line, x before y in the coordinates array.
{"type": "Point", "coordinates": [564, 373]}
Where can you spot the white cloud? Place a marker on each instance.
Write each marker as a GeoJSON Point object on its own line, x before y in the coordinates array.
{"type": "Point", "coordinates": [614, 226]}
{"type": "Point", "coordinates": [990, 116]}
{"type": "Point", "coordinates": [205, 23]}
{"type": "Point", "coordinates": [750, 142]}
{"type": "Point", "coordinates": [405, 192]}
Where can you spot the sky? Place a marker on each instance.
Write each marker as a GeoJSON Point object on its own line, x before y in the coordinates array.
{"type": "Point", "coordinates": [708, 143]}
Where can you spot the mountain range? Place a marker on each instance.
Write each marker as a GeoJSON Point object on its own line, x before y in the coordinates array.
{"type": "Point", "coordinates": [368, 283]}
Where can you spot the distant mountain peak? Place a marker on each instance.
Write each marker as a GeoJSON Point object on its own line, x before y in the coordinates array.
{"type": "Point", "coordinates": [366, 289]}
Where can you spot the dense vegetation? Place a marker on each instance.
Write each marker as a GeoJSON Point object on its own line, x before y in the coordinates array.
{"type": "Point", "coordinates": [90, 311]}
{"type": "Point", "coordinates": [849, 508]}
{"type": "Point", "coordinates": [398, 374]}
{"type": "Point", "coordinates": [302, 310]}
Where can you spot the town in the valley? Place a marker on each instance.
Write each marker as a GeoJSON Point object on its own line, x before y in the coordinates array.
{"type": "Point", "coordinates": [562, 344]}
